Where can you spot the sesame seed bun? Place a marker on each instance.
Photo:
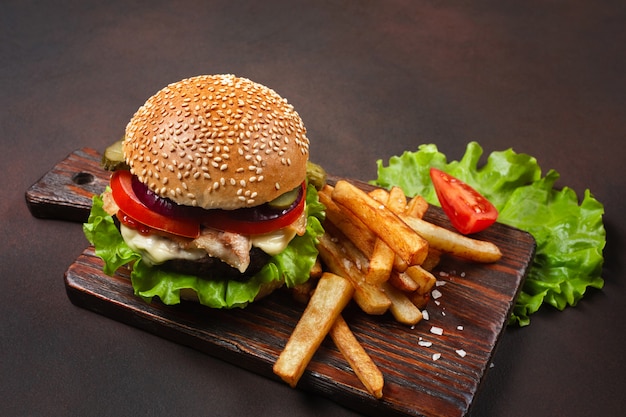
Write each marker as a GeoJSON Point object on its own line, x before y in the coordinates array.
{"type": "Point", "coordinates": [217, 141]}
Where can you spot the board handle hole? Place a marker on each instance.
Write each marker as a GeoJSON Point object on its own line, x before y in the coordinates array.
{"type": "Point", "coordinates": [82, 178]}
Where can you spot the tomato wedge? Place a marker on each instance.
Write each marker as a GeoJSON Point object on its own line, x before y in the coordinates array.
{"type": "Point", "coordinates": [131, 205]}
{"type": "Point", "coordinates": [247, 221]}
{"type": "Point", "coordinates": [468, 211]}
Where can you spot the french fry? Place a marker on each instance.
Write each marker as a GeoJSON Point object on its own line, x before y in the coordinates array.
{"type": "Point", "coordinates": [394, 199]}
{"type": "Point", "coordinates": [397, 200]}
{"type": "Point", "coordinates": [379, 194]}
{"type": "Point", "coordinates": [397, 203]}
{"type": "Point", "coordinates": [350, 225]}
{"type": "Point", "coordinates": [454, 243]}
{"type": "Point", "coordinates": [419, 300]}
{"type": "Point", "coordinates": [405, 242]}
{"type": "Point", "coordinates": [432, 259]}
{"type": "Point", "coordinates": [424, 280]}
{"type": "Point", "coordinates": [380, 263]}
{"type": "Point", "coordinates": [402, 308]}
{"type": "Point", "coordinates": [369, 297]}
{"type": "Point", "coordinates": [416, 207]}
{"type": "Point", "coordinates": [400, 264]}
{"type": "Point", "coordinates": [347, 248]}
{"type": "Point", "coordinates": [402, 281]}
{"type": "Point", "coordinates": [383, 258]}
{"type": "Point", "coordinates": [329, 299]}
{"type": "Point", "coordinates": [362, 364]}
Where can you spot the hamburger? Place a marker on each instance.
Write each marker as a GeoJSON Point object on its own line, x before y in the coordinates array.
{"type": "Point", "coordinates": [210, 200]}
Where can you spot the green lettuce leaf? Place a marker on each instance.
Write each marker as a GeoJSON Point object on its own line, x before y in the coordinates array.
{"type": "Point", "coordinates": [570, 234]}
{"type": "Point", "coordinates": [291, 265]}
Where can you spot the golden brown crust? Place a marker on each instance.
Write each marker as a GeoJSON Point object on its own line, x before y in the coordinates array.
{"type": "Point", "coordinates": [217, 141]}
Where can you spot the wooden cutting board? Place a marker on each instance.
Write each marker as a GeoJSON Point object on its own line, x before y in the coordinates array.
{"type": "Point", "coordinates": [425, 374]}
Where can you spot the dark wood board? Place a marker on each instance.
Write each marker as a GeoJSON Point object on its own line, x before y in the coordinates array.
{"type": "Point", "coordinates": [65, 192]}
{"type": "Point", "coordinates": [473, 311]}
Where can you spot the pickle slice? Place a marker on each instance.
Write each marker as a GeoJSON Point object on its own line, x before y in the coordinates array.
{"type": "Point", "coordinates": [316, 175]}
{"type": "Point", "coordinates": [113, 158]}
{"type": "Point", "coordinates": [285, 200]}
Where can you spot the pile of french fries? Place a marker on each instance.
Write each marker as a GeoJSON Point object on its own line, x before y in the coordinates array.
{"type": "Point", "coordinates": [379, 252]}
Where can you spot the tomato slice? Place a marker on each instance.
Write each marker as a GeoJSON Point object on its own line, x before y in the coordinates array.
{"type": "Point", "coordinates": [468, 211]}
{"type": "Point", "coordinates": [247, 221]}
{"type": "Point", "coordinates": [129, 203]}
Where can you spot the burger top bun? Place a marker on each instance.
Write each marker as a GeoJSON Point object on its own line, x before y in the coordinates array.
{"type": "Point", "coordinates": [217, 141]}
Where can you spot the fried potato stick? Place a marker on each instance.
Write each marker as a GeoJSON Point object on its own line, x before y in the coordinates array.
{"type": "Point", "coordinates": [361, 363]}
{"type": "Point", "coordinates": [454, 243]}
{"type": "Point", "coordinates": [402, 308]}
{"type": "Point", "coordinates": [402, 281]}
{"type": "Point", "coordinates": [383, 258]}
{"type": "Point", "coordinates": [331, 295]}
{"type": "Point", "coordinates": [369, 297]}
{"type": "Point", "coordinates": [416, 207]}
{"type": "Point", "coordinates": [350, 225]}
{"type": "Point", "coordinates": [410, 246]}
{"type": "Point", "coordinates": [424, 280]}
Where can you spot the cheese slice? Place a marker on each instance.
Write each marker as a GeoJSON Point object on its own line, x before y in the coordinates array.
{"type": "Point", "coordinates": [158, 249]}
{"type": "Point", "coordinates": [275, 242]}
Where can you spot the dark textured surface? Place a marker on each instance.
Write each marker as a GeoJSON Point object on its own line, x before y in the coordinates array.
{"type": "Point", "coordinates": [370, 79]}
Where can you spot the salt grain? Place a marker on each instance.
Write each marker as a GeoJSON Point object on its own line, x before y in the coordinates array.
{"type": "Point", "coordinates": [461, 353]}
{"type": "Point", "coordinates": [436, 356]}
{"type": "Point", "coordinates": [436, 330]}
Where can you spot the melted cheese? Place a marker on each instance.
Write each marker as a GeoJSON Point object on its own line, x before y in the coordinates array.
{"type": "Point", "coordinates": [275, 242]}
{"type": "Point", "coordinates": [158, 249]}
